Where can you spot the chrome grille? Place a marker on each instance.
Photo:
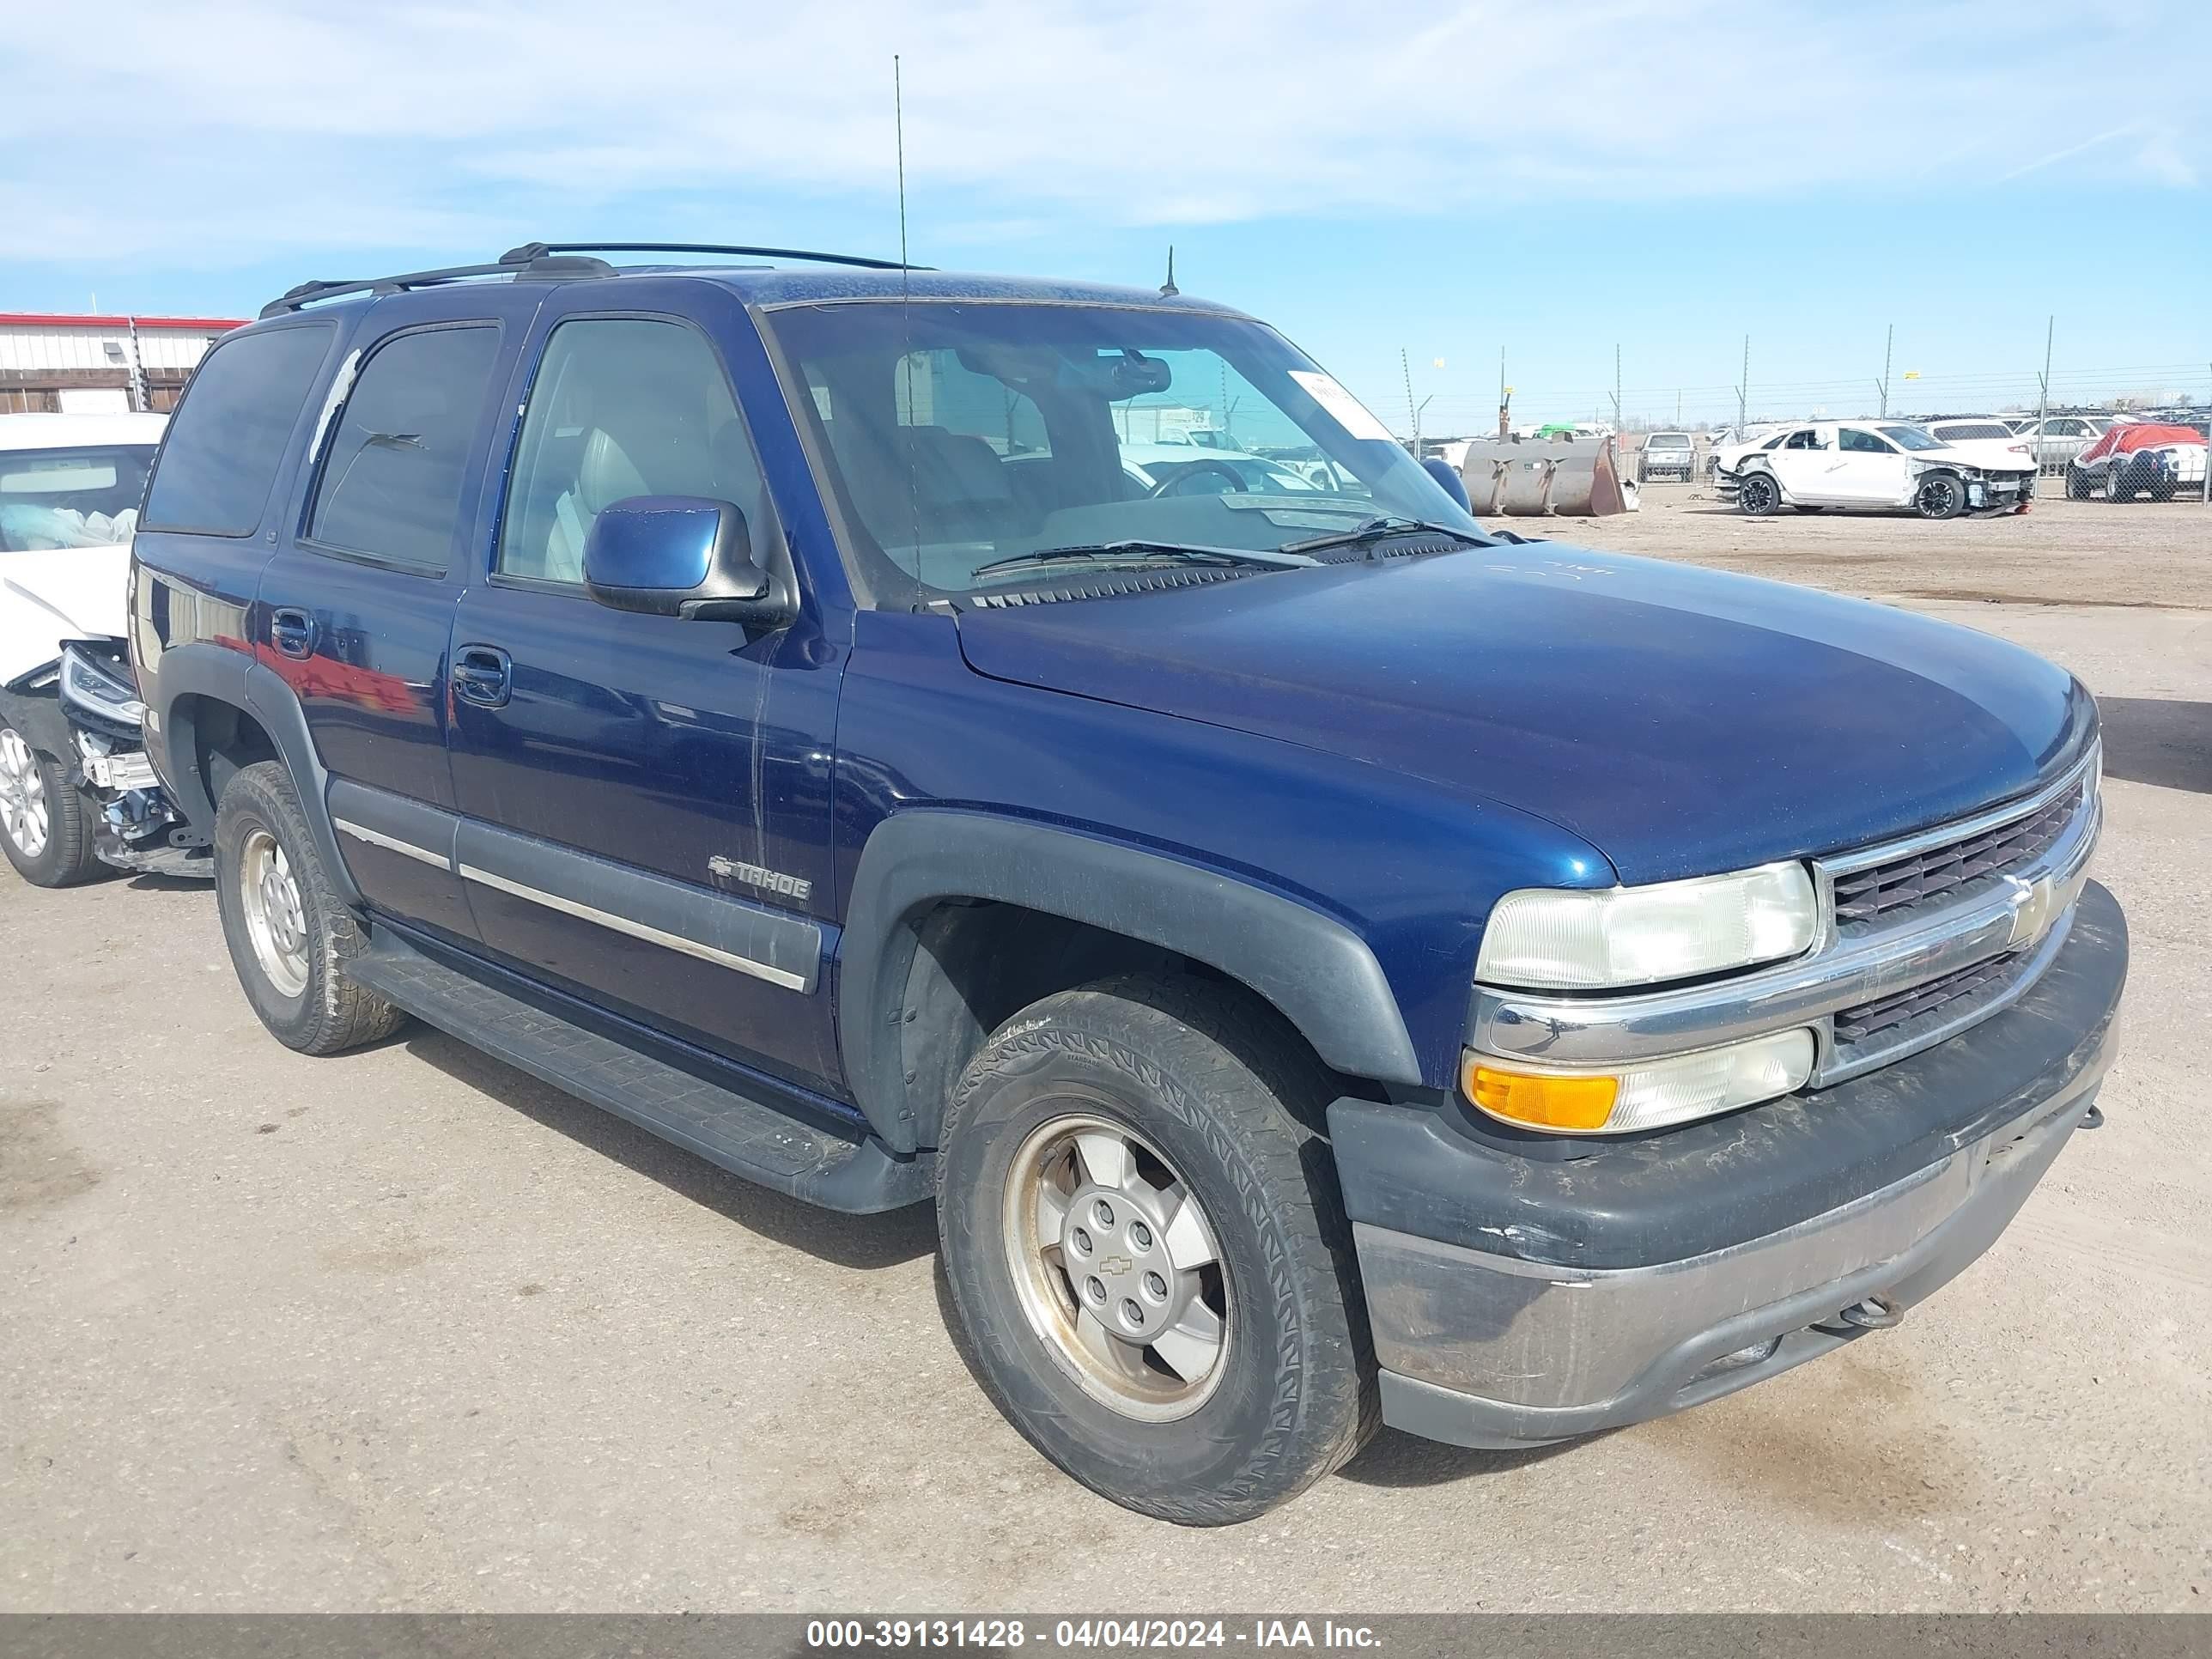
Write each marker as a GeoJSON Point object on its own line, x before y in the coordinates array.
{"type": "Point", "coordinates": [1949, 996]}
{"type": "Point", "coordinates": [1879, 892]}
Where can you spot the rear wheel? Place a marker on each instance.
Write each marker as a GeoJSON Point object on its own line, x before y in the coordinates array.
{"type": "Point", "coordinates": [2077, 487]}
{"type": "Point", "coordinates": [1757, 495]}
{"type": "Point", "coordinates": [45, 821]}
{"type": "Point", "coordinates": [290, 934]}
{"type": "Point", "coordinates": [2117, 487]}
{"type": "Point", "coordinates": [1147, 1252]}
{"type": "Point", "coordinates": [1939, 495]}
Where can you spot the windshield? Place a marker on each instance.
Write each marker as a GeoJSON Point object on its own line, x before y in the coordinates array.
{"type": "Point", "coordinates": [87, 497]}
{"type": "Point", "coordinates": [956, 435]}
{"type": "Point", "coordinates": [1910, 437]}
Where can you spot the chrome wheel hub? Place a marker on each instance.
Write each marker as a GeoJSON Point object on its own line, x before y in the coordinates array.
{"type": "Point", "coordinates": [23, 810]}
{"type": "Point", "coordinates": [1117, 1267]}
{"type": "Point", "coordinates": [276, 920]}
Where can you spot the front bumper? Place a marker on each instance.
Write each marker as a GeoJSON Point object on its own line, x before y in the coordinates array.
{"type": "Point", "coordinates": [1517, 1301]}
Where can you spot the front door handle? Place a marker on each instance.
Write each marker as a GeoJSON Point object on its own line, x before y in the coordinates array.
{"type": "Point", "coordinates": [484, 675]}
{"type": "Point", "coordinates": [293, 632]}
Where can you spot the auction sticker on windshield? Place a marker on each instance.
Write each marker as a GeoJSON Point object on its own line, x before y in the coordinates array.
{"type": "Point", "coordinates": [1350, 413]}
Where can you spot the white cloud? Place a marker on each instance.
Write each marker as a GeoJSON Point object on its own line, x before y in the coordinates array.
{"type": "Point", "coordinates": [250, 128]}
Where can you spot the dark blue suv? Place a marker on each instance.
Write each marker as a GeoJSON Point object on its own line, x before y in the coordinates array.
{"type": "Point", "coordinates": [901, 736]}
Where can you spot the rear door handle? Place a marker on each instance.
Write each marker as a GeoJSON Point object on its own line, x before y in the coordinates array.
{"type": "Point", "coordinates": [484, 675]}
{"type": "Point", "coordinates": [293, 632]}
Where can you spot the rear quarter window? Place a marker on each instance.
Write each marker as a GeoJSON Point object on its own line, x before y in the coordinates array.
{"type": "Point", "coordinates": [227, 439]}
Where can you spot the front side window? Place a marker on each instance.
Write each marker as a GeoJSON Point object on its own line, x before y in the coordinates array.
{"type": "Point", "coordinates": [1863, 443]}
{"type": "Point", "coordinates": [228, 435]}
{"type": "Point", "coordinates": [1951, 433]}
{"type": "Point", "coordinates": [1043, 428]}
{"type": "Point", "coordinates": [620, 406]}
{"type": "Point", "coordinates": [73, 497]}
{"type": "Point", "coordinates": [397, 466]}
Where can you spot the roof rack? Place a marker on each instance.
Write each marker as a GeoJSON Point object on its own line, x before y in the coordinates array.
{"type": "Point", "coordinates": [530, 251]}
{"type": "Point", "coordinates": [522, 264]}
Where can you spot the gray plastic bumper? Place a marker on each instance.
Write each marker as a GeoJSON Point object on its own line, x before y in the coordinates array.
{"type": "Point", "coordinates": [1530, 1342]}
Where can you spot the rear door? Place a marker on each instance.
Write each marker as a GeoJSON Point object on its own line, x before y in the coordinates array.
{"type": "Point", "coordinates": [644, 798]}
{"type": "Point", "coordinates": [359, 599]}
{"type": "Point", "coordinates": [1803, 461]}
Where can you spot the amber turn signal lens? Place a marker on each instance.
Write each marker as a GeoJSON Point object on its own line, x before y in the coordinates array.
{"type": "Point", "coordinates": [1541, 1103]}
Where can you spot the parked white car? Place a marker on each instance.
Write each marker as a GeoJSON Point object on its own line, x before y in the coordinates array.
{"type": "Point", "coordinates": [76, 787]}
{"type": "Point", "coordinates": [1989, 439]}
{"type": "Point", "coordinates": [1188, 469]}
{"type": "Point", "coordinates": [2062, 437]}
{"type": "Point", "coordinates": [1667, 454]}
{"type": "Point", "coordinates": [1872, 466]}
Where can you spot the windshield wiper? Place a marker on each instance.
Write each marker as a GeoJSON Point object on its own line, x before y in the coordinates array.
{"type": "Point", "coordinates": [1379, 529]}
{"type": "Point", "coordinates": [1102, 552]}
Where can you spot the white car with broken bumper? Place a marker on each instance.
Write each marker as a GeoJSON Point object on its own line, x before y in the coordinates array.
{"type": "Point", "coordinates": [1874, 466]}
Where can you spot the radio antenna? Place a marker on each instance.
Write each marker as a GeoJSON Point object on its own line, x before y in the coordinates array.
{"type": "Point", "coordinates": [1168, 289]}
{"type": "Point", "coordinates": [906, 316]}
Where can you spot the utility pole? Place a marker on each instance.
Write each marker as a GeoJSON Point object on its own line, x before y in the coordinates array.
{"type": "Point", "coordinates": [1418, 411]}
{"type": "Point", "coordinates": [2042, 387]}
{"type": "Point", "coordinates": [1504, 400]}
{"type": "Point", "coordinates": [1743, 388]}
{"type": "Point", "coordinates": [1616, 386]}
{"type": "Point", "coordinates": [1413, 415]}
{"type": "Point", "coordinates": [1883, 383]}
{"type": "Point", "coordinates": [2207, 493]}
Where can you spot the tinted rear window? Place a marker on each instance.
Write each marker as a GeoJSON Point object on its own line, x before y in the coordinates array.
{"type": "Point", "coordinates": [227, 437]}
{"type": "Point", "coordinates": [393, 477]}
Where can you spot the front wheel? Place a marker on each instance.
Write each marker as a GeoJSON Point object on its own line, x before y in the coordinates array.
{"type": "Point", "coordinates": [2077, 487]}
{"type": "Point", "coordinates": [1147, 1252]}
{"type": "Point", "coordinates": [1757, 495]}
{"type": "Point", "coordinates": [1941, 495]}
{"type": "Point", "coordinates": [45, 822]}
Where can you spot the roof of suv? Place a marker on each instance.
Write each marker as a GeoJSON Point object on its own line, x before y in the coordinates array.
{"type": "Point", "coordinates": [766, 285]}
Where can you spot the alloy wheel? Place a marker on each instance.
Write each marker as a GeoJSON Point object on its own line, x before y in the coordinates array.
{"type": "Point", "coordinates": [1116, 1267]}
{"type": "Point", "coordinates": [275, 918]}
{"type": "Point", "coordinates": [23, 810]}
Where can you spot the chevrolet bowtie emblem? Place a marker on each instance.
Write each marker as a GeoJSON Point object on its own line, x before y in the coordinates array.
{"type": "Point", "coordinates": [2032, 909]}
{"type": "Point", "coordinates": [1115, 1264]}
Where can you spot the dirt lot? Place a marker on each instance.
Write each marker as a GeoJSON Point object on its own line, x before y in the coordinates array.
{"type": "Point", "coordinates": [407, 1330]}
{"type": "Point", "coordinates": [2059, 552]}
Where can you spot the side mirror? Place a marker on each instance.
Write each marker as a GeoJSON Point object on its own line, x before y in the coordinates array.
{"type": "Point", "coordinates": [1455, 486]}
{"type": "Point", "coordinates": [677, 555]}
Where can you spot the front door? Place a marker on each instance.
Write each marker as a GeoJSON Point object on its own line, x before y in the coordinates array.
{"type": "Point", "coordinates": [1873, 469]}
{"type": "Point", "coordinates": [643, 798]}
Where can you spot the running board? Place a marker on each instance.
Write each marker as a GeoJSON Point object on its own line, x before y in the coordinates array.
{"type": "Point", "coordinates": [740, 1133]}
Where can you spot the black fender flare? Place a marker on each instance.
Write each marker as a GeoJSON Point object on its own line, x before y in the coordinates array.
{"type": "Point", "coordinates": [222, 675]}
{"type": "Point", "coordinates": [1316, 972]}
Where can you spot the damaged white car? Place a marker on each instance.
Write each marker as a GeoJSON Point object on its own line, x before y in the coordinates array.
{"type": "Point", "coordinates": [76, 792]}
{"type": "Point", "coordinates": [1877, 467]}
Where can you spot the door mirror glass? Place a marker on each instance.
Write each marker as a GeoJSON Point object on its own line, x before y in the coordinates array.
{"type": "Point", "coordinates": [674, 556]}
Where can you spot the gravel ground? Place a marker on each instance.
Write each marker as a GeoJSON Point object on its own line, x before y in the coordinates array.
{"type": "Point", "coordinates": [406, 1329]}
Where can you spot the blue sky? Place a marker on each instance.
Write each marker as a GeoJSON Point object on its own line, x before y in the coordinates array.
{"type": "Point", "coordinates": [1664, 175]}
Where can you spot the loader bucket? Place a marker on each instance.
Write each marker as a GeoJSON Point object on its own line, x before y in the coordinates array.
{"type": "Point", "coordinates": [1579, 478]}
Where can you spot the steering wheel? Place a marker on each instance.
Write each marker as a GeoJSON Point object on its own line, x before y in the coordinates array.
{"type": "Point", "coordinates": [1173, 483]}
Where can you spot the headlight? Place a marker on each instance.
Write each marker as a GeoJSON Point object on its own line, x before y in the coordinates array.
{"type": "Point", "coordinates": [1586, 940]}
{"type": "Point", "coordinates": [96, 689]}
{"type": "Point", "coordinates": [1648, 1095]}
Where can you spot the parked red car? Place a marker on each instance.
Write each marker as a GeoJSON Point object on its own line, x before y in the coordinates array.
{"type": "Point", "coordinates": [2165, 460]}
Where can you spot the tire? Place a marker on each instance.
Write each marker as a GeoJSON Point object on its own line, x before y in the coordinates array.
{"type": "Point", "coordinates": [1757, 495]}
{"type": "Point", "coordinates": [262, 848]}
{"type": "Point", "coordinates": [1939, 495]}
{"type": "Point", "coordinates": [45, 821]}
{"type": "Point", "coordinates": [1217, 1104]}
{"type": "Point", "coordinates": [2117, 488]}
{"type": "Point", "coordinates": [2077, 487]}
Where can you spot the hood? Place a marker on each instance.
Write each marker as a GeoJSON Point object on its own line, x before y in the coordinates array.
{"type": "Point", "coordinates": [67, 593]}
{"type": "Point", "coordinates": [1683, 721]}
